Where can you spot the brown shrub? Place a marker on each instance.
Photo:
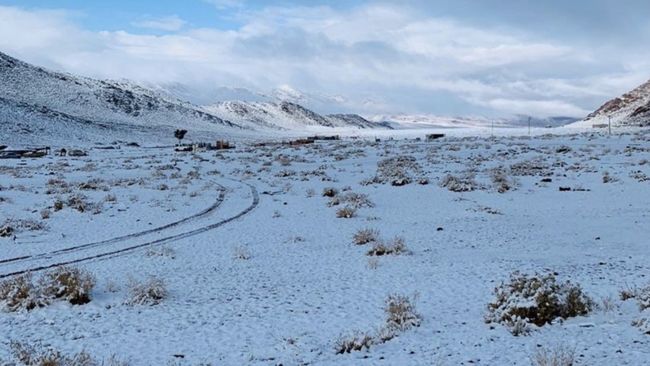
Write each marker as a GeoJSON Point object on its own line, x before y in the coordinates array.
{"type": "Point", "coordinates": [346, 212]}
{"type": "Point", "coordinates": [365, 236]}
{"type": "Point", "coordinates": [396, 246]}
{"type": "Point", "coordinates": [538, 300]}
{"type": "Point", "coordinates": [151, 292]}
{"type": "Point", "coordinates": [68, 283]}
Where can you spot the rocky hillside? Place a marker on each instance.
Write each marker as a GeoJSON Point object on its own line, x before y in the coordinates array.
{"type": "Point", "coordinates": [631, 108]}
{"type": "Point", "coordinates": [283, 115]}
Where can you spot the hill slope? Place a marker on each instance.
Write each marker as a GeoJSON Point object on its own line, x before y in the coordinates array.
{"type": "Point", "coordinates": [632, 108]}
{"type": "Point", "coordinates": [283, 115]}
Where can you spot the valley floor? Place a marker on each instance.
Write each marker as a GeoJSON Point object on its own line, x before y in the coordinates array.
{"type": "Point", "coordinates": [260, 270]}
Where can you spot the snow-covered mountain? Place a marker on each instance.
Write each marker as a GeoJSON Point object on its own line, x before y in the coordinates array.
{"type": "Point", "coordinates": [49, 104]}
{"type": "Point", "coordinates": [283, 115]}
{"type": "Point", "coordinates": [632, 108]}
{"type": "Point", "coordinates": [37, 105]}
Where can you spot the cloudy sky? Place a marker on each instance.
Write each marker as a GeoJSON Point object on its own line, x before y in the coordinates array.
{"type": "Point", "coordinates": [445, 57]}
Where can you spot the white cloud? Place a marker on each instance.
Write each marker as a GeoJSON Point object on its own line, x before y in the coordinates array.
{"type": "Point", "coordinates": [226, 4]}
{"type": "Point", "coordinates": [170, 23]}
{"type": "Point", "coordinates": [379, 58]}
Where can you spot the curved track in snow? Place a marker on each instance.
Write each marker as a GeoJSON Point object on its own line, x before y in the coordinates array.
{"type": "Point", "coordinates": [61, 254]}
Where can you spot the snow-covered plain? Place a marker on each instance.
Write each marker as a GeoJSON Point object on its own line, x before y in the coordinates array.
{"type": "Point", "coordinates": [261, 271]}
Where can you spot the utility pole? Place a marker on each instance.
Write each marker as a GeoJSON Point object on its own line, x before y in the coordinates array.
{"type": "Point", "coordinates": [529, 125]}
{"type": "Point", "coordinates": [610, 124]}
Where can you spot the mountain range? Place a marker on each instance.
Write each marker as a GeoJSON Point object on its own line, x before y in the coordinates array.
{"type": "Point", "coordinates": [39, 105]}
{"type": "Point", "coordinates": [36, 103]}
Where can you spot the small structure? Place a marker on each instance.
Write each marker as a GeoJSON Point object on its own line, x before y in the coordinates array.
{"type": "Point", "coordinates": [77, 153]}
{"type": "Point", "coordinates": [435, 136]}
{"type": "Point", "coordinates": [299, 142]}
{"type": "Point", "coordinates": [325, 138]}
{"type": "Point", "coordinates": [600, 125]}
{"type": "Point", "coordinates": [27, 153]}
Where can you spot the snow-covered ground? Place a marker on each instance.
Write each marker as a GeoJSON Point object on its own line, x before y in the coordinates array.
{"type": "Point", "coordinates": [261, 271]}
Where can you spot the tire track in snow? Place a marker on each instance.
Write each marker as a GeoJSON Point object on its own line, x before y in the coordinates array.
{"type": "Point", "coordinates": [118, 239]}
{"type": "Point", "coordinates": [122, 251]}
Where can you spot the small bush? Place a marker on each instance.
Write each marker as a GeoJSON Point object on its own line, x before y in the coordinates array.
{"type": "Point", "coordinates": [354, 342]}
{"type": "Point", "coordinates": [459, 184]}
{"type": "Point", "coordinates": [78, 202]}
{"type": "Point", "coordinates": [365, 236]}
{"type": "Point", "coordinates": [6, 231]}
{"type": "Point", "coordinates": [557, 356]}
{"type": "Point", "coordinates": [151, 292]}
{"type": "Point", "coordinates": [45, 214]}
{"type": "Point", "coordinates": [501, 181]}
{"type": "Point", "coordinates": [397, 171]}
{"type": "Point", "coordinates": [68, 283]}
{"type": "Point", "coordinates": [58, 205]}
{"type": "Point", "coordinates": [356, 200]}
{"type": "Point", "coordinates": [242, 253]}
{"type": "Point", "coordinates": [346, 212]}
{"type": "Point", "coordinates": [30, 355]}
{"type": "Point", "coordinates": [20, 293]}
{"type": "Point", "coordinates": [643, 298]}
{"type": "Point", "coordinates": [401, 314]}
{"type": "Point", "coordinates": [396, 246]}
{"type": "Point", "coordinates": [330, 192]}
{"type": "Point", "coordinates": [536, 299]}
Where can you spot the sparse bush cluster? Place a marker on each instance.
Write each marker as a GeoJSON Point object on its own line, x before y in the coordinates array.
{"type": "Point", "coordinates": [556, 356]}
{"type": "Point", "coordinates": [398, 171]}
{"type": "Point", "coordinates": [38, 355]}
{"type": "Point", "coordinates": [380, 247]}
{"type": "Point", "coordinates": [356, 200]}
{"type": "Point", "coordinates": [395, 246]}
{"type": "Point", "coordinates": [346, 212]}
{"type": "Point", "coordinates": [459, 184]}
{"type": "Point", "coordinates": [537, 300]}
{"type": "Point", "coordinates": [69, 284]}
{"type": "Point", "coordinates": [401, 316]}
{"type": "Point", "coordinates": [365, 236]}
{"type": "Point", "coordinates": [150, 292]}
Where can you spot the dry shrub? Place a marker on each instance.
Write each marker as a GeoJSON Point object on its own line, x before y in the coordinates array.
{"type": "Point", "coordinates": [628, 293]}
{"type": "Point", "coordinates": [346, 212]}
{"type": "Point", "coordinates": [643, 298]}
{"type": "Point", "coordinates": [398, 171]}
{"type": "Point", "coordinates": [536, 299]}
{"type": "Point", "coordinates": [45, 214]}
{"type": "Point", "coordinates": [68, 283]}
{"type": "Point", "coordinates": [556, 356]}
{"type": "Point", "coordinates": [31, 355]}
{"type": "Point", "coordinates": [356, 341]}
{"type": "Point", "coordinates": [459, 184]}
{"type": "Point", "coordinates": [20, 293]}
{"type": "Point", "coordinates": [365, 236]}
{"type": "Point", "coordinates": [58, 205]}
{"type": "Point", "coordinates": [78, 202]}
{"type": "Point", "coordinates": [396, 246]}
{"type": "Point", "coordinates": [501, 181]}
{"type": "Point", "coordinates": [242, 253]}
{"type": "Point", "coordinates": [356, 200]}
{"type": "Point", "coordinates": [330, 192]}
{"type": "Point", "coordinates": [151, 292]}
{"type": "Point", "coordinates": [607, 178]}
{"type": "Point", "coordinates": [401, 314]}
{"type": "Point", "coordinates": [6, 231]}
